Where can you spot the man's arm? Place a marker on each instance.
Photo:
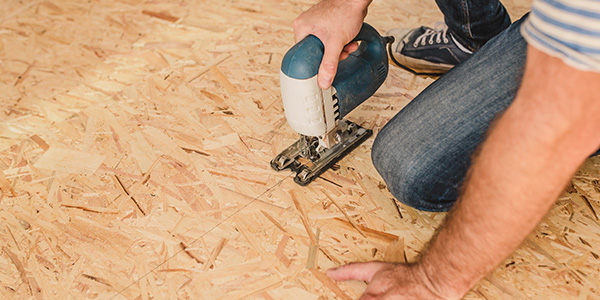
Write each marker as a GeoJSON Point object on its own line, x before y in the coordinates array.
{"type": "Point", "coordinates": [529, 156]}
{"type": "Point", "coordinates": [336, 23]}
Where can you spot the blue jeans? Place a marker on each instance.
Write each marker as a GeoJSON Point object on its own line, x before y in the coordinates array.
{"type": "Point", "coordinates": [424, 152]}
{"type": "Point", "coordinates": [474, 22]}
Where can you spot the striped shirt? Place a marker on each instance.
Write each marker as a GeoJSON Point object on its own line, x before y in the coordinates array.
{"type": "Point", "coordinates": [569, 29]}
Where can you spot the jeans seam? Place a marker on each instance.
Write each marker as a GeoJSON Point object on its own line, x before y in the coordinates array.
{"type": "Point", "coordinates": [466, 23]}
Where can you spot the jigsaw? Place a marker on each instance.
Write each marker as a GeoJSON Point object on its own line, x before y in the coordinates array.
{"type": "Point", "coordinates": [317, 114]}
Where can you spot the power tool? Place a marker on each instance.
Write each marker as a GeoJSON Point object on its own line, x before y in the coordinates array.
{"type": "Point", "coordinates": [317, 114]}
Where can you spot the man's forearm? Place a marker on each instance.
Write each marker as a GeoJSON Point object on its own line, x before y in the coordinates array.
{"type": "Point", "coordinates": [530, 154]}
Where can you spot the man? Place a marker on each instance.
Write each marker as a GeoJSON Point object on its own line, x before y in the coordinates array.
{"type": "Point", "coordinates": [532, 120]}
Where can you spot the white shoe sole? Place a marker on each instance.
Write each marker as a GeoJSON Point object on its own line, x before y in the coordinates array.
{"type": "Point", "coordinates": [414, 65]}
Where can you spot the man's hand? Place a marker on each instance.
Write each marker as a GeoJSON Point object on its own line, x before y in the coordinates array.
{"type": "Point", "coordinates": [335, 23]}
{"type": "Point", "coordinates": [389, 281]}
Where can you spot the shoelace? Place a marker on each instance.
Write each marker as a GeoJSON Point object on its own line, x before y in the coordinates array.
{"type": "Point", "coordinates": [438, 34]}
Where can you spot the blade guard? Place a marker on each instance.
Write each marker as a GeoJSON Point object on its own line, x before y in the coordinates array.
{"type": "Point", "coordinates": [306, 173]}
{"type": "Point", "coordinates": [311, 111]}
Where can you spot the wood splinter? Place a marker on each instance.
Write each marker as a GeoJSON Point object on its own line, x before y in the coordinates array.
{"type": "Point", "coordinates": [126, 192]}
{"type": "Point", "coordinates": [161, 15]}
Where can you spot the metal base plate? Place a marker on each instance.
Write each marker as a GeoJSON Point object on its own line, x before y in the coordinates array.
{"type": "Point", "coordinates": [307, 172]}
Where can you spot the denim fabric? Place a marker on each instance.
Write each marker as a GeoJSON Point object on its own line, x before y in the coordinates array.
{"type": "Point", "coordinates": [423, 153]}
{"type": "Point", "coordinates": [474, 22]}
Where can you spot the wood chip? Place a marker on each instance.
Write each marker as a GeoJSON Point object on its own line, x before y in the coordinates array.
{"type": "Point", "coordinates": [69, 161]}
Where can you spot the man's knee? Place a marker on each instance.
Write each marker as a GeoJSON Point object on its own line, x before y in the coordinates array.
{"type": "Point", "coordinates": [412, 180]}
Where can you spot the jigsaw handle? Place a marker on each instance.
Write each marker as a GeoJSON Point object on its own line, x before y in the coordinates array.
{"type": "Point", "coordinates": [357, 77]}
{"type": "Point", "coordinates": [360, 75]}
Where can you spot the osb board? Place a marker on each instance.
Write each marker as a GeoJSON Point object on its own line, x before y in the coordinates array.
{"type": "Point", "coordinates": [135, 142]}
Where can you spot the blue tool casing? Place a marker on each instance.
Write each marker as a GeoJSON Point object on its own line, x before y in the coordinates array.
{"type": "Point", "coordinates": [357, 77]}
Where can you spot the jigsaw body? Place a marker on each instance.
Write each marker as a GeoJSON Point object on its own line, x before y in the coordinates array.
{"type": "Point", "coordinates": [316, 114]}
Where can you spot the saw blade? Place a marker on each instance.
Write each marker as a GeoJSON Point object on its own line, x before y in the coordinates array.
{"type": "Point", "coordinates": [291, 157]}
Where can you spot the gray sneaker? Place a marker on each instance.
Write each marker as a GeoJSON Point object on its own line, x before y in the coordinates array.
{"type": "Point", "coordinates": [425, 50]}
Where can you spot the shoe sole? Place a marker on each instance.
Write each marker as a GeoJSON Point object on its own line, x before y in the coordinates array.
{"type": "Point", "coordinates": [413, 65]}
{"type": "Point", "coordinates": [417, 66]}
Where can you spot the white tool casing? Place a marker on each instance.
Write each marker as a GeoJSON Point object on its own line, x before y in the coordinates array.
{"type": "Point", "coordinates": [309, 109]}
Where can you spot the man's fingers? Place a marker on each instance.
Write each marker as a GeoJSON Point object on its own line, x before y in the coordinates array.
{"type": "Point", "coordinates": [356, 271]}
{"type": "Point", "coordinates": [299, 29]}
{"type": "Point", "coordinates": [353, 46]}
{"type": "Point", "coordinates": [348, 49]}
{"type": "Point", "coordinates": [329, 64]}
{"type": "Point", "coordinates": [367, 296]}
